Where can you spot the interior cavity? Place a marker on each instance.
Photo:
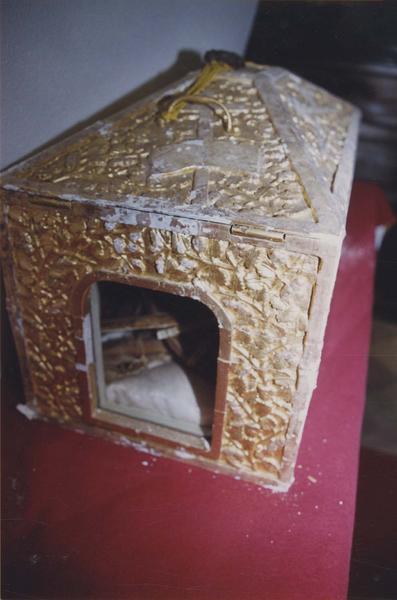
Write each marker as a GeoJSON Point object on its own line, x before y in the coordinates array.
{"type": "Point", "coordinates": [156, 356]}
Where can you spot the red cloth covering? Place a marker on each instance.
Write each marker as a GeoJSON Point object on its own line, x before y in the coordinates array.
{"type": "Point", "coordinates": [89, 519]}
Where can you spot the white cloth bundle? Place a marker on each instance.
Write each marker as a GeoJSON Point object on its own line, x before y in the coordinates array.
{"type": "Point", "coordinates": [165, 394]}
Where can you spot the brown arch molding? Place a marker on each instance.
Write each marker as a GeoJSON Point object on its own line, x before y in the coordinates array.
{"type": "Point", "coordinates": [138, 430]}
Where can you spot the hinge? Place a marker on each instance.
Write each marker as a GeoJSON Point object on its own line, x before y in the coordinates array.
{"type": "Point", "coordinates": [257, 232]}
{"type": "Point", "coordinates": [52, 202]}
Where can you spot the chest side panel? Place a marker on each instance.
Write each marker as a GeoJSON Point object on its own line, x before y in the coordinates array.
{"type": "Point", "coordinates": [265, 293]}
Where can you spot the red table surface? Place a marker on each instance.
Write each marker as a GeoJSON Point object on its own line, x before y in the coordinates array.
{"type": "Point", "coordinates": [85, 518]}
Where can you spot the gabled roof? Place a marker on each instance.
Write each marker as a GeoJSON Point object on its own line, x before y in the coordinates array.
{"type": "Point", "coordinates": [286, 163]}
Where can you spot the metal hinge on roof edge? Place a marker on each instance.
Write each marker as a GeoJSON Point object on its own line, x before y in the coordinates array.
{"type": "Point", "coordinates": [256, 232]}
{"type": "Point", "coordinates": [52, 202]}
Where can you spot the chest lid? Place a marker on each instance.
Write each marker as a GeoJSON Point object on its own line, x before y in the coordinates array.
{"type": "Point", "coordinates": [252, 145]}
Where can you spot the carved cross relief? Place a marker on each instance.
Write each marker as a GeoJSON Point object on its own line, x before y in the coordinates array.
{"type": "Point", "coordinates": [204, 154]}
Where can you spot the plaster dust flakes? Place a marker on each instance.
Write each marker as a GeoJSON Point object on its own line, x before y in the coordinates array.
{"type": "Point", "coordinates": [27, 412]}
{"type": "Point", "coordinates": [160, 264]}
{"type": "Point", "coordinates": [119, 245]}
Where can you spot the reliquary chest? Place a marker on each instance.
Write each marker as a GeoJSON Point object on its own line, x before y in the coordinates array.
{"type": "Point", "coordinates": [169, 270]}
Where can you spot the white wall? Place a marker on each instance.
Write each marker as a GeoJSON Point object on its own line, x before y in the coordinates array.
{"type": "Point", "coordinates": [64, 60]}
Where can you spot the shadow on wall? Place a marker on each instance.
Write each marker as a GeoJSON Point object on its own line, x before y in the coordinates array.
{"type": "Point", "coordinates": [186, 60]}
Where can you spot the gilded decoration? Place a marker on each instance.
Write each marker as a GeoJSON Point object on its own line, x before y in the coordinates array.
{"type": "Point", "coordinates": [265, 292]}
{"type": "Point", "coordinates": [122, 158]}
{"type": "Point", "coordinates": [321, 120]}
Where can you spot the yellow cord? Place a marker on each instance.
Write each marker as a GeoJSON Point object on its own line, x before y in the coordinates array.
{"type": "Point", "coordinates": [208, 73]}
{"type": "Point", "coordinates": [175, 107]}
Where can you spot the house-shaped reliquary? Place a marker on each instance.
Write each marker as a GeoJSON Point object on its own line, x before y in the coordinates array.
{"type": "Point", "coordinates": [169, 270]}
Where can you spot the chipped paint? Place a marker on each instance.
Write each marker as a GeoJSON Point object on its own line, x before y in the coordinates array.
{"type": "Point", "coordinates": [27, 411]}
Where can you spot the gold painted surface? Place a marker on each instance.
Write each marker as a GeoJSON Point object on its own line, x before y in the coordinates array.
{"type": "Point", "coordinates": [264, 292]}
{"type": "Point", "coordinates": [320, 118]}
{"type": "Point", "coordinates": [115, 161]}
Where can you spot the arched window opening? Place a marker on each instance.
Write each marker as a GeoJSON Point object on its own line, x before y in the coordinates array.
{"type": "Point", "coordinates": [156, 356]}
